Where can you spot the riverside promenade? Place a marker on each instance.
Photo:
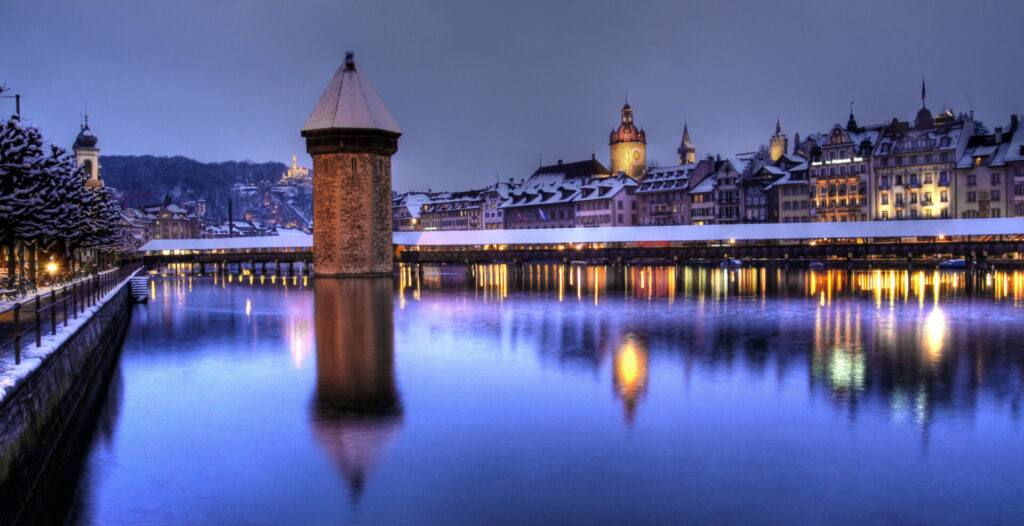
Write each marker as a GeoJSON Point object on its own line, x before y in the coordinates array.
{"type": "Point", "coordinates": [52, 362]}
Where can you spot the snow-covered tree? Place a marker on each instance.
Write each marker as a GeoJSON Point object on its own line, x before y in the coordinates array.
{"type": "Point", "coordinates": [44, 200]}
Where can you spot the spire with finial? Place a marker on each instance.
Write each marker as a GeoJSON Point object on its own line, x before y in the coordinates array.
{"type": "Point", "coordinates": [851, 124]}
{"type": "Point", "coordinates": [922, 91]}
{"type": "Point", "coordinates": [778, 125]}
{"type": "Point", "coordinates": [687, 152]}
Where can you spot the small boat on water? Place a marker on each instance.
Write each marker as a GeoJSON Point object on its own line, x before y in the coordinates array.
{"type": "Point", "coordinates": [732, 263]}
{"type": "Point", "coordinates": [816, 265]}
{"type": "Point", "coordinates": [953, 264]}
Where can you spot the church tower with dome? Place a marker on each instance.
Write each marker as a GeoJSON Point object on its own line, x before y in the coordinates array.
{"type": "Point", "coordinates": [87, 155]}
{"type": "Point", "coordinates": [628, 147]}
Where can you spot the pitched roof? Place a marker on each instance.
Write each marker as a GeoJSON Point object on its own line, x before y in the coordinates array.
{"type": "Point", "coordinates": [350, 102]}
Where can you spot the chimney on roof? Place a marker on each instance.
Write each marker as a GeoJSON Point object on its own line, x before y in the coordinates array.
{"type": "Point", "coordinates": [999, 134]}
{"type": "Point", "coordinates": [559, 161]}
{"type": "Point", "coordinates": [350, 61]}
{"type": "Point", "coordinates": [1013, 123]}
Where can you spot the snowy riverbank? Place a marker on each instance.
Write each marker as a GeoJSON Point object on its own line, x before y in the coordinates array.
{"type": "Point", "coordinates": [32, 356]}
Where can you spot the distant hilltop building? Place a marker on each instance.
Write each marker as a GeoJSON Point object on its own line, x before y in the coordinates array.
{"type": "Point", "coordinates": [296, 174]}
{"type": "Point", "coordinates": [87, 155]}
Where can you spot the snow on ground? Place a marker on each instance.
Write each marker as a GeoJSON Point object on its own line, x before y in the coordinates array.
{"type": "Point", "coordinates": [32, 356]}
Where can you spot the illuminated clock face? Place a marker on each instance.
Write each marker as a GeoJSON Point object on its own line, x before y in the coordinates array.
{"type": "Point", "coordinates": [636, 155]}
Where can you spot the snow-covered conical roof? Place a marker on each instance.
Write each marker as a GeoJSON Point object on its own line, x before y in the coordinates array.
{"type": "Point", "coordinates": [350, 102]}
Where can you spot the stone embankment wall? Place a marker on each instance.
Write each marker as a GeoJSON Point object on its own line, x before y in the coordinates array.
{"type": "Point", "coordinates": [35, 413]}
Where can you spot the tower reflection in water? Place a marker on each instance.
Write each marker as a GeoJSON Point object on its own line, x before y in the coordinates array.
{"type": "Point", "coordinates": [356, 410]}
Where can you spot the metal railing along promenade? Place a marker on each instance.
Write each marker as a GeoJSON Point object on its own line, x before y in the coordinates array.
{"type": "Point", "coordinates": [24, 323]}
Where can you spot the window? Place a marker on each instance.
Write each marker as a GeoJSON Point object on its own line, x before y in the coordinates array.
{"type": "Point", "coordinates": [994, 195]}
{"type": "Point", "coordinates": [620, 207]}
{"type": "Point", "coordinates": [899, 198]}
{"type": "Point", "coordinates": [995, 178]}
{"type": "Point", "coordinates": [885, 199]}
{"type": "Point", "coordinates": [885, 216]}
{"type": "Point", "coordinates": [620, 216]}
{"type": "Point", "coordinates": [972, 197]}
{"type": "Point", "coordinates": [972, 180]}
{"type": "Point", "coordinates": [944, 196]}
{"type": "Point", "coordinates": [913, 198]}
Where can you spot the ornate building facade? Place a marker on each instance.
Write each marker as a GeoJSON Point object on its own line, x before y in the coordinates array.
{"type": "Point", "coordinates": [841, 173]}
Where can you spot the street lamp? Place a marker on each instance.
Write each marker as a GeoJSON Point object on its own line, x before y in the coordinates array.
{"type": "Point", "coordinates": [17, 100]}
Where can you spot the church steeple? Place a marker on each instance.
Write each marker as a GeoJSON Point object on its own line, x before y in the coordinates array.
{"type": "Point", "coordinates": [87, 155]}
{"type": "Point", "coordinates": [778, 143]}
{"type": "Point", "coordinates": [687, 153]}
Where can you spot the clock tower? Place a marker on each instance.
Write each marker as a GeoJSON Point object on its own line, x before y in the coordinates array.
{"type": "Point", "coordinates": [628, 146]}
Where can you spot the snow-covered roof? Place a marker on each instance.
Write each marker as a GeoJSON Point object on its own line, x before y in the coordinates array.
{"type": "Point", "coordinates": [350, 102]}
{"type": "Point", "coordinates": [752, 231]}
{"type": "Point", "coordinates": [413, 201]}
{"type": "Point", "coordinates": [705, 186]}
{"type": "Point", "coordinates": [547, 195]}
{"type": "Point", "coordinates": [231, 243]}
{"type": "Point", "coordinates": [774, 170]}
{"type": "Point", "coordinates": [1015, 152]}
{"type": "Point", "coordinates": [901, 137]}
{"type": "Point", "coordinates": [605, 188]}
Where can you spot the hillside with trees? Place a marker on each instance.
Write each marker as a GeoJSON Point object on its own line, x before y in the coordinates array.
{"type": "Point", "coordinates": [147, 179]}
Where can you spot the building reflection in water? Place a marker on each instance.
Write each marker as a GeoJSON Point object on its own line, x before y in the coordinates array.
{"type": "Point", "coordinates": [356, 410]}
{"type": "Point", "coordinates": [896, 339]}
{"type": "Point", "coordinates": [629, 373]}
{"type": "Point", "coordinates": [494, 282]}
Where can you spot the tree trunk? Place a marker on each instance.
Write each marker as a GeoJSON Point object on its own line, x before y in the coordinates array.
{"type": "Point", "coordinates": [33, 264]}
{"type": "Point", "coordinates": [11, 268]}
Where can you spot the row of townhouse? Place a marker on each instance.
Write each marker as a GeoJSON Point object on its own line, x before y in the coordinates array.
{"type": "Point", "coordinates": [932, 167]}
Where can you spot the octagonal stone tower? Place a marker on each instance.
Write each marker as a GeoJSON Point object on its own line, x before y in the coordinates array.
{"type": "Point", "coordinates": [351, 137]}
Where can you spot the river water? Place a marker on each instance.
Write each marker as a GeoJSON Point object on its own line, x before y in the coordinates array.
{"type": "Point", "coordinates": [564, 395]}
